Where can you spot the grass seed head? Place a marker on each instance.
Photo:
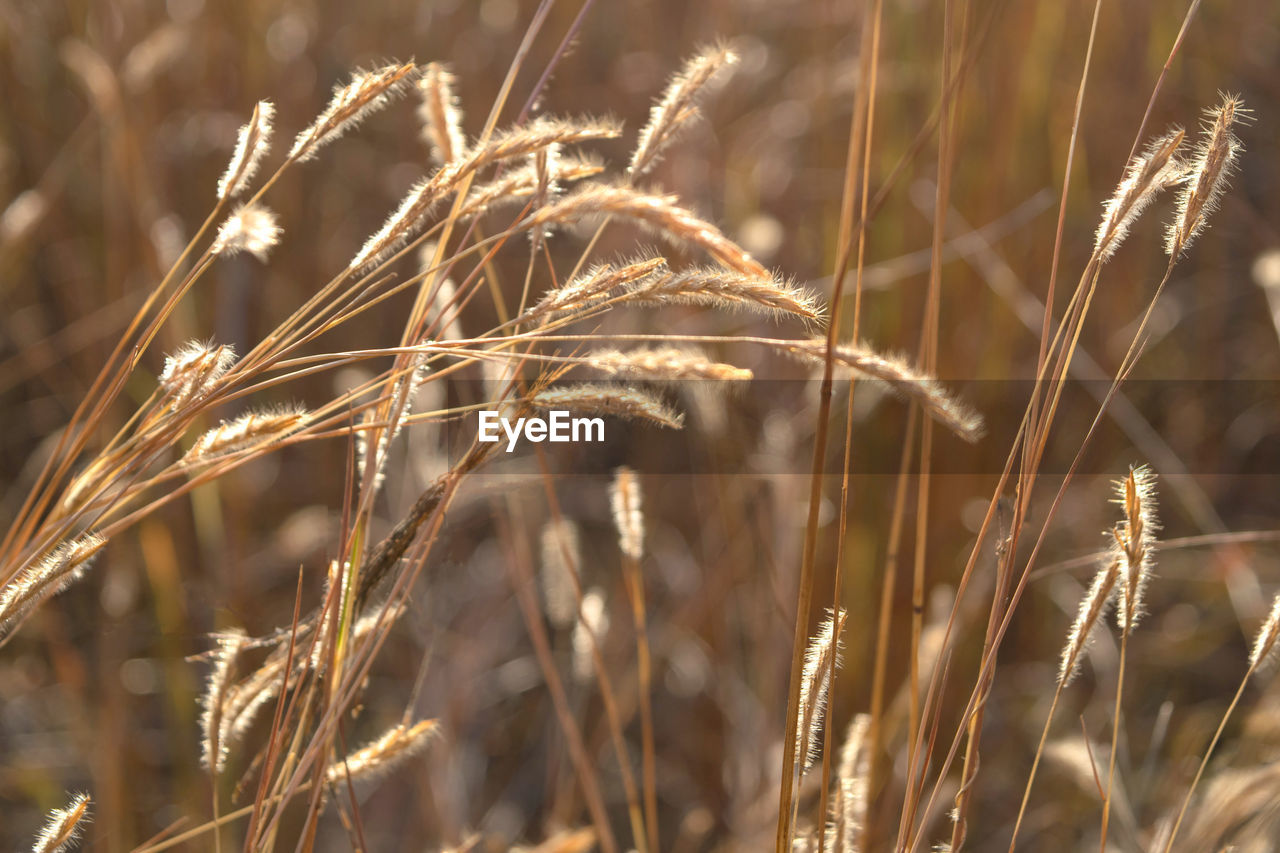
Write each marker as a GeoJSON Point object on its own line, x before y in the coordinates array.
{"type": "Point", "coordinates": [368, 92]}
{"type": "Point", "coordinates": [252, 145]}
{"type": "Point", "coordinates": [62, 829]}
{"type": "Point", "coordinates": [250, 228]}
{"type": "Point", "coordinates": [1210, 172]}
{"type": "Point", "coordinates": [678, 106]}
{"type": "Point", "coordinates": [441, 116]}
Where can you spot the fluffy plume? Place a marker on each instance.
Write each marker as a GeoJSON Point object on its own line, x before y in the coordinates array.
{"type": "Point", "coordinates": [368, 92]}
{"type": "Point", "coordinates": [1210, 171]}
{"type": "Point", "coordinates": [190, 372]}
{"type": "Point", "coordinates": [1092, 609]}
{"type": "Point", "coordinates": [63, 827]}
{"type": "Point", "coordinates": [248, 430]}
{"type": "Point", "coordinates": [250, 228]}
{"type": "Point", "coordinates": [595, 285]}
{"type": "Point", "coordinates": [441, 117]}
{"type": "Point", "coordinates": [1264, 644]}
{"type": "Point", "coordinates": [1134, 542]}
{"type": "Point", "coordinates": [628, 512]}
{"type": "Point", "coordinates": [1148, 174]}
{"type": "Point", "coordinates": [395, 746]}
{"type": "Point", "coordinates": [213, 703]}
{"type": "Point", "coordinates": [815, 683]}
{"type": "Point", "coordinates": [678, 106]}
{"type": "Point", "coordinates": [48, 576]}
{"type": "Point", "coordinates": [252, 145]}
{"type": "Point", "coordinates": [720, 288]}
{"type": "Point", "coordinates": [894, 371]}
{"type": "Point", "coordinates": [663, 364]}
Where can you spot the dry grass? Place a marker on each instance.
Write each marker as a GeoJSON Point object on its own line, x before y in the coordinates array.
{"type": "Point", "coordinates": [262, 587]}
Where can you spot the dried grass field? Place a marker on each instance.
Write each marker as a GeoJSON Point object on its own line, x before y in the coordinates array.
{"type": "Point", "coordinates": [934, 349]}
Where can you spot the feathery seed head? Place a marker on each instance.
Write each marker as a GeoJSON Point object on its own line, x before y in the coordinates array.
{"type": "Point", "coordinates": [252, 145]}
{"type": "Point", "coordinates": [249, 430]}
{"type": "Point", "coordinates": [368, 92]}
{"type": "Point", "coordinates": [395, 746]}
{"type": "Point", "coordinates": [815, 683]}
{"type": "Point", "coordinates": [440, 114]}
{"type": "Point", "coordinates": [63, 826]}
{"type": "Point", "coordinates": [628, 513]}
{"type": "Point", "coordinates": [250, 228]}
{"type": "Point", "coordinates": [1093, 608]}
{"type": "Point", "coordinates": [213, 747]}
{"type": "Point", "coordinates": [678, 106]}
{"type": "Point", "coordinates": [596, 284]}
{"type": "Point", "coordinates": [721, 288]}
{"type": "Point", "coordinates": [52, 573]}
{"type": "Point", "coordinates": [895, 372]}
{"type": "Point", "coordinates": [1134, 541]}
{"type": "Point", "coordinates": [1264, 645]}
{"type": "Point", "coordinates": [191, 371]}
{"type": "Point", "coordinates": [1209, 173]}
{"type": "Point", "coordinates": [1148, 173]}
{"type": "Point", "coordinates": [665, 364]}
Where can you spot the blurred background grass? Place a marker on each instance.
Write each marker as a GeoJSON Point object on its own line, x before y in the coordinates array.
{"type": "Point", "coordinates": [117, 119]}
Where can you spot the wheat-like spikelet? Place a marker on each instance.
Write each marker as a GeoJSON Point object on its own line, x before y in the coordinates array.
{"type": "Point", "coordinates": [213, 750]}
{"type": "Point", "coordinates": [1210, 170]}
{"type": "Point", "coordinates": [190, 372]}
{"type": "Point", "coordinates": [593, 622]}
{"type": "Point", "coordinates": [664, 364]}
{"type": "Point", "coordinates": [561, 560]}
{"type": "Point", "coordinates": [661, 213]}
{"type": "Point", "coordinates": [606, 400]}
{"type": "Point", "coordinates": [250, 228]}
{"type": "Point", "coordinates": [678, 106]}
{"type": "Point", "coordinates": [368, 92]}
{"type": "Point", "coordinates": [1147, 174]}
{"type": "Point", "coordinates": [396, 745]}
{"type": "Point", "coordinates": [1135, 540]}
{"type": "Point", "coordinates": [63, 826]}
{"type": "Point", "coordinates": [628, 512]}
{"type": "Point", "coordinates": [895, 372]}
{"type": "Point", "coordinates": [408, 219]}
{"type": "Point", "coordinates": [720, 288]}
{"type": "Point", "coordinates": [815, 683]}
{"type": "Point", "coordinates": [1264, 645]}
{"type": "Point", "coordinates": [440, 114]}
{"type": "Point", "coordinates": [596, 284]}
{"type": "Point", "coordinates": [248, 430]}
{"type": "Point", "coordinates": [252, 145]}
{"type": "Point", "coordinates": [517, 185]}
{"type": "Point", "coordinates": [48, 576]}
{"type": "Point", "coordinates": [1093, 608]}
